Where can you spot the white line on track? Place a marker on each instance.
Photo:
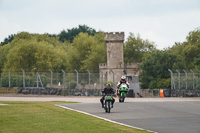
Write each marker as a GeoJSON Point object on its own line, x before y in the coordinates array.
{"type": "Point", "coordinates": [103, 118]}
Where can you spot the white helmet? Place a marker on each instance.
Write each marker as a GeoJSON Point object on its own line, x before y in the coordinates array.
{"type": "Point", "coordinates": [123, 78]}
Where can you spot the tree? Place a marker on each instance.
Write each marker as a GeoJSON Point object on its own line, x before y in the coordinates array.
{"type": "Point", "coordinates": [154, 69]}
{"type": "Point", "coordinates": [196, 62]}
{"type": "Point", "coordinates": [7, 40]}
{"type": "Point", "coordinates": [3, 53]}
{"type": "Point", "coordinates": [70, 34]}
{"type": "Point", "coordinates": [135, 48]}
{"type": "Point", "coordinates": [97, 55]}
{"type": "Point", "coordinates": [189, 50]}
{"type": "Point", "coordinates": [90, 51]}
{"type": "Point", "coordinates": [29, 51]}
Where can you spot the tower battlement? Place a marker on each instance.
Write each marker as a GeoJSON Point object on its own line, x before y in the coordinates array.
{"type": "Point", "coordinates": [131, 65]}
{"type": "Point", "coordinates": [114, 36]}
{"type": "Point", "coordinates": [102, 65]}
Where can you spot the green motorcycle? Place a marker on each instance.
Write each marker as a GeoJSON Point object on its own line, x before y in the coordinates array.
{"type": "Point", "coordinates": [122, 92]}
{"type": "Point", "coordinates": [108, 103]}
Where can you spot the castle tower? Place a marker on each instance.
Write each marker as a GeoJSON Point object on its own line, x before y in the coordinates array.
{"type": "Point", "coordinates": [115, 59]}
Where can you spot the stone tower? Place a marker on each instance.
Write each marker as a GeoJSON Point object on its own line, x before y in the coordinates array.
{"type": "Point", "coordinates": [115, 59]}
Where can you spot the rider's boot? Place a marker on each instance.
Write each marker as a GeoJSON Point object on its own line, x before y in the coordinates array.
{"type": "Point", "coordinates": [111, 105]}
{"type": "Point", "coordinates": [102, 106]}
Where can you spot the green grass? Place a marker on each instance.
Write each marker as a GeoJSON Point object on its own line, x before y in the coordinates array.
{"type": "Point", "coordinates": [44, 117]}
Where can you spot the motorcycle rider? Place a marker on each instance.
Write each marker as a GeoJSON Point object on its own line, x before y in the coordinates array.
{"type": "Point", "coordinates": [106, 91]}
{"type": "Point", "coordinates": [122, 81]}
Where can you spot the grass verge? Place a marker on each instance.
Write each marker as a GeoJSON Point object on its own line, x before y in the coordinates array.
{"type": "Point", "coordinates": [44, 117]}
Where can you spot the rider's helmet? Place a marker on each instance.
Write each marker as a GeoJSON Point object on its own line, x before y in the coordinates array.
{"type": "Point", "coordinates": [108, 85]}
{"type": "Point", "coordinates": [123, 79]}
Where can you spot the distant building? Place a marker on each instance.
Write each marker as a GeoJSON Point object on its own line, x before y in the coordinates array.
{"type": "Point", "coordinates": [115, 60]}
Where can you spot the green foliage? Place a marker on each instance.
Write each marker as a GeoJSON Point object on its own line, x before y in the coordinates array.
{"type": "Point", "coordinates": [34, 51]}
{"type": "Point", "coordinates": [3, 53]}
{"type": "Point", "coordinates": [196, 62]}
{"type": "Point", "coordinates": [7, 40]}
{"type": "Point", "coordinates": [96, 55]}
{"type": "Point", "coordinates": [160, 84]}
{"type": "Point", "coordinates": [154, 69]}
{"type": "Point", "coordinates": [70, 34]}
{"type": "Point", "coordinates": [90, 51]}
{"type": "Point", "coordinates": [83, 49]}
{"type": "Point", "coordinates": [135, 48]}
{"type": "Point", "coordinates": [28, 51]}
{"type": "Point", "coordinates": [72, 84]}
{"type": "Point", "coordinates": [189, 50]}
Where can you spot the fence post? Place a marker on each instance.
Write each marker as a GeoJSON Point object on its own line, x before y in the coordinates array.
{"type": "Point", "coordinates": [0, 80]}
{"type": "Point", "coordinates": [9, 78]}
{"type": "Point", "coordinates": [23, 77]}
{"type": "Point", "coordinates": [89, 78]}
{"type": "Point", "coordinates": [77, 77]}
{"type": "Point", "coordinates": [186, 78]}
{"type": "Point", "coordinates": [51, 76]}
{"type": "Point", "coordinates": [179, 81]}
{"type": "Point", "coordinates": [64, 80]}
{"type": "Point", "coordinates": [36, 74]}
{"type": "Point", "coordinates": [113, 78]}
{"type": "Point", "coordinates": [172, 80]}
{"type": "Point", "coordinates": [101, 75]}
{"type": "Point", "coordinates": [192, 79]}
{"type": "Point", "coordinates": [199, 75]}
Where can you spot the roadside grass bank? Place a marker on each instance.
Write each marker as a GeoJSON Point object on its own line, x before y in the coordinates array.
{"type": "Point", "coordinates": [44, 117]}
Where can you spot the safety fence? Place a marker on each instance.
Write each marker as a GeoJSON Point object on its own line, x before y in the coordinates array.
{"type": "Point", "coordinates": [186, 80]}
{"type": "Point", "coordinates": [50, 79]}
{"type": "Point", "coordinates": [184, 83]}
{"type": "Point", "coordinates": [49, 82]}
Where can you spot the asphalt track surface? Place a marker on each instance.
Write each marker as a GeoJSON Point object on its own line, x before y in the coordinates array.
{"type": "Point", "coordinates": [161, 117]}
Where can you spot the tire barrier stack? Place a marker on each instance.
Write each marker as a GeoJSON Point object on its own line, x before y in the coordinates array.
{"type": "Point", "coordinates": [40, 91]}
{"type": "Point", "coordinates": [59, 91]}
{"type": "Point", "coordinates": [181, 93]}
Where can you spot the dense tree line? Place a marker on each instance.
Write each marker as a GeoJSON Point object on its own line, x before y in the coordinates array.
{"type": "Point", "coordinates": [69, 34]}
{"type": "Point", "coordinates": [154, 66]}
{"type": "Point", "coordinates": [29, 51]}
{"type": "Point", "coordinates": [83, 48]}
{"type": "Point", "coordinates": [7, 39]}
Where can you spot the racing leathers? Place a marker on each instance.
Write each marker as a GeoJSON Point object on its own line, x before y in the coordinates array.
{"type": "Point", "coordinates": [107, 91]}
{"type": "Point", "coordinates": [119, 84]}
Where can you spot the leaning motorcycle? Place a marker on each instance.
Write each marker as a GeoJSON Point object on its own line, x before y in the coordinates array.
{"type": "Point", "coordinates": [123, 92]}
{"type": "Point", "coordinates": [107, 103]}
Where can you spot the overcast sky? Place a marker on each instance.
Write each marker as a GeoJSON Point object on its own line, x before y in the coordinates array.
{"type": "Point", "coordinates": [161, 21]}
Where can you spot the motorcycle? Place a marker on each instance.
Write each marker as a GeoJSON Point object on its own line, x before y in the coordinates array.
{"type": "Point", "coordinates": [122, 92]}
{"type": "Point", "coordinates": [108, 103]}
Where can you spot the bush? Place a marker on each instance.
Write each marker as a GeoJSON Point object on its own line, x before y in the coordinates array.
{"type": "Point", "coordinates": [72, 84]}
{"type": "Point", "coordinates": [161, 83]}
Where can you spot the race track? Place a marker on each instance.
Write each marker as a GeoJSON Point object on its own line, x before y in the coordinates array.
{"type": "Point", "coordinates": [161, 117]}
